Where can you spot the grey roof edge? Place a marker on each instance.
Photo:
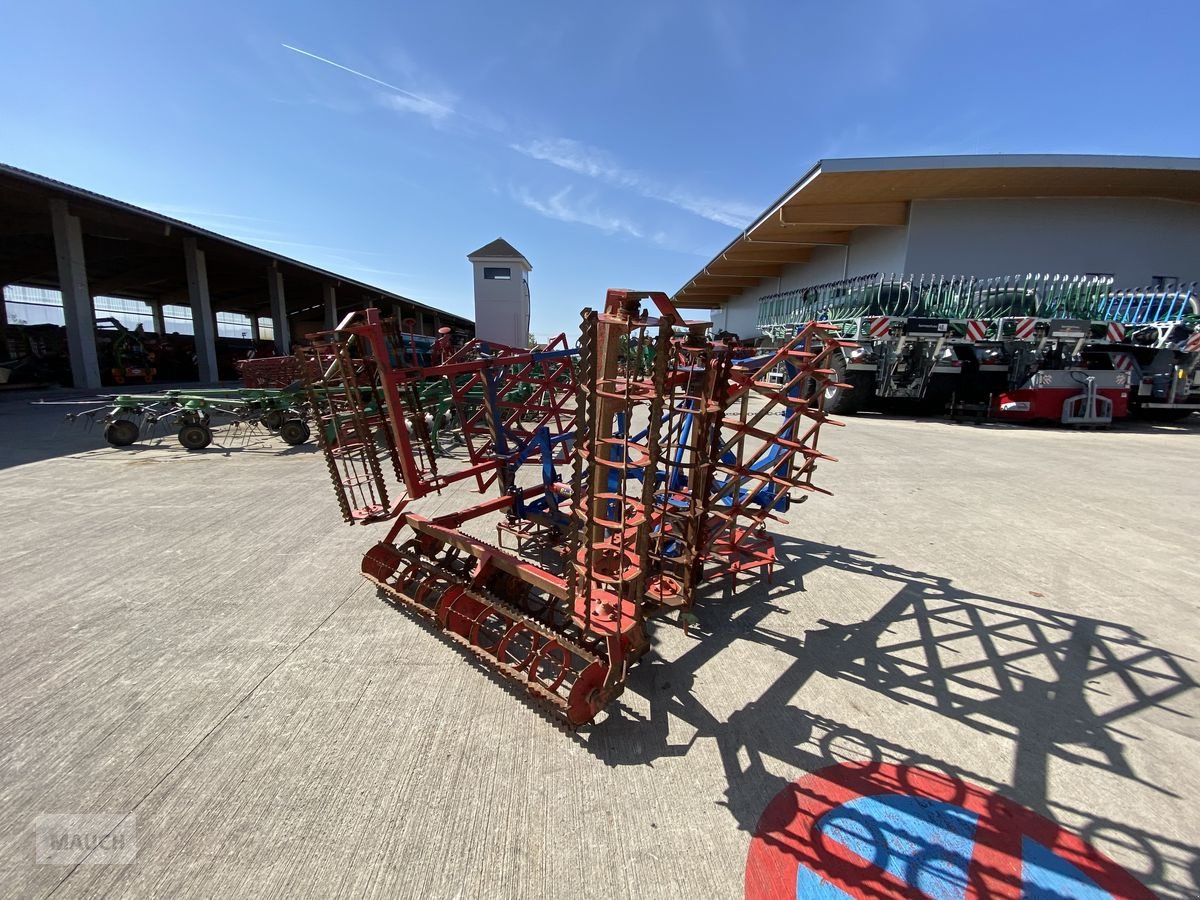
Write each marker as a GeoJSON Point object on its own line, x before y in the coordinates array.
{"type": "Point", "coordinates": [85, 194]}
{"type": "Point", "coordinates": [474, 258]}
{"type": "Point", "coordinates": [1011, 161]}
{"type": "Point", "coordinates": [850, 164]}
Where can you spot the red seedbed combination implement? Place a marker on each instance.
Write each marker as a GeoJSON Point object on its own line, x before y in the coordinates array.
{"type": "Point", "coordinates": [635, 467]}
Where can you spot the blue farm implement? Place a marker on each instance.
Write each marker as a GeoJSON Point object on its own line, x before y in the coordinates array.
{"type": "Point", "coordinates": [1154, 338]}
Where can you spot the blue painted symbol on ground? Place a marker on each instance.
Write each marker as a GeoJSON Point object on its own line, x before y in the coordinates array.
{"type": "Point", "coordinates": [928, 844]}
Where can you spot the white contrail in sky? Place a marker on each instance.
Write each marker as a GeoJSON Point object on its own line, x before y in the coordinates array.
{"type": "Point", "coordinates": [390, 87]}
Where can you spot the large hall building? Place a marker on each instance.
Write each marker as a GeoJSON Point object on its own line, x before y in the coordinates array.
{"type": "Point", "coordinates": [1134, 218]}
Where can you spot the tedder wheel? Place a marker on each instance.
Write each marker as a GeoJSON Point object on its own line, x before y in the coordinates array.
{"type": "Point", "coordinates": [195, 437]}
{"type": "Point", "coordinates": [294, 432]}
{"type": "Point", "coordinates": [121, 433]}
{"type": "Point", "coordinates": [273, 419]}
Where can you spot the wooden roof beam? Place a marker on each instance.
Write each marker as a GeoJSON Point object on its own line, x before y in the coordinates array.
{"type": "Point", "coordinates": [794, 236]}
{"type": "Point", "coordinates": [715, 278]}
{"type": "Point", "coordinates": [853, 214]}
{"type": "Point", "coordinates": [706, 290]}
{"type": "Point", "coordinates": [722, 266]}
{"type": "Point", "coordinates": [760, 253]}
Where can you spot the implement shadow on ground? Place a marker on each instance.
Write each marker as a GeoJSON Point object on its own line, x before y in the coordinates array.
{"type": "Point", "coordinates": [1048, 685]}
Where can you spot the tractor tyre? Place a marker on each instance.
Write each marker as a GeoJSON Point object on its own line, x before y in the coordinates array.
{"type": "Point", "coordinates": [121, 433]}
{"type": "Point", "coordinates": [845, 401]}
{"type": "Point", "coordinates": [195, 437]}
{"type": "Point", "coordinates": [273, 419]}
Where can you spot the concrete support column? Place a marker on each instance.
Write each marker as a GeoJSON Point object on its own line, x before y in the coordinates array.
{"type": "Point", "coordinates": [203, 323]}
{"type": "Point", "coordinates": [4, 354]}
{"type": "Point", "coordinates": [283, 336]}
{"type": "Point", "coordinates": [78, 312]}
{"type": "Point", "coordinates": [329, 297]}
{"type": "Point", "coordinates": [160, 323]}
{"type": "Point", "coordinates": [255, 333]}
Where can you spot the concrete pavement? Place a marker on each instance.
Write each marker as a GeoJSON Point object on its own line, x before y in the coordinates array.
{"type": "Point", "coordinates": [188, 644]}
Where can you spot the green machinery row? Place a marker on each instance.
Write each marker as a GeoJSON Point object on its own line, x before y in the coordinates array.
{"type": "Point", "coordinates": [970, 298]}
{"type": "Point", "coordinates": [195, 415]}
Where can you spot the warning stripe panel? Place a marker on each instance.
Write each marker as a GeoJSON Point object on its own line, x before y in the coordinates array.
{"type": "Point", "coordinates": [879, 327]}
{"type": "Point", "coordinates": [1025, 328]}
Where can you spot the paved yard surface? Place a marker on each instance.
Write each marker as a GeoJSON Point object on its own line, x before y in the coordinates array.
{"type": "Point", "coordinates": [187, 645]}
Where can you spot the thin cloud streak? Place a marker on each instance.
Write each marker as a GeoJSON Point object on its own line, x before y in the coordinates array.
{"type": "Point", "coordinates": [416, 103]}
{"type": "Point", "coordinates": [573, 156]}
{"type": "Point", "coordinates": [558, 206]}
{"type": "Point", "coordinates": [185, 212]}
{"type": "Point", "coordinates": [584, 160]}
{"type": "Point", "coordinates": [323, 247]}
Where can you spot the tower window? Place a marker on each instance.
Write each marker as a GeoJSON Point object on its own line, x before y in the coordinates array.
{"type": "Point", "coordinates": [497, 274]}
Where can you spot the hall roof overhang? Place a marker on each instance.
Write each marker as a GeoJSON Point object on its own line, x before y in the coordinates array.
{"type": "Point", "coordinates": [838, 196]}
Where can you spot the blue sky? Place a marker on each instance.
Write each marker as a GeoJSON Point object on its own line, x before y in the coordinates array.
{"type": "Point", "coordinates": [615, 144]}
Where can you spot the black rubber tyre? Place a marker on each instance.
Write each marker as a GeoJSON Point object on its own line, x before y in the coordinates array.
{"type": "Point", "coordinates": [842, 401]}
{"type": "Point", "coordinates": [195, 437]}
{"type": "Point", "coordinates": [273, 419]}
{"type": "Point", "coordinates": [294, 432]}
{"type": "Point", "coordinates": [122, 432]}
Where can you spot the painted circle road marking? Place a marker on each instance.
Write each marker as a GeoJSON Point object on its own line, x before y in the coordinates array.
{"type": "Point", "coordinates": [875, 830]}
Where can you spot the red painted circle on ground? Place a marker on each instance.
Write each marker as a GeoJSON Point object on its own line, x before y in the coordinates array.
{"type": "Point", "coordinates": [791, 837]}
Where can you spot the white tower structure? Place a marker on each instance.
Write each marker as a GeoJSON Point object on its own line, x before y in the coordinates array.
{"type": "Point", "coordinates": [501, 293]}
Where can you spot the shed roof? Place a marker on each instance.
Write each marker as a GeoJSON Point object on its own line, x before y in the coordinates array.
{"type": "Point", "coordinates": [135, 252]}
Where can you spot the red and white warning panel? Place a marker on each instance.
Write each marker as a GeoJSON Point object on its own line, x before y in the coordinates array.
{"type": "Point", "coordinates": [1025, 328]}
{"type": "Point", "coordinates": [1123, 362]}
{"type": "Point", "coordinates": [879, 326]}
{"type": "Point", "coordinates": [1116, 332]}
{"type": "Point", "coordinates": [976, 329]}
